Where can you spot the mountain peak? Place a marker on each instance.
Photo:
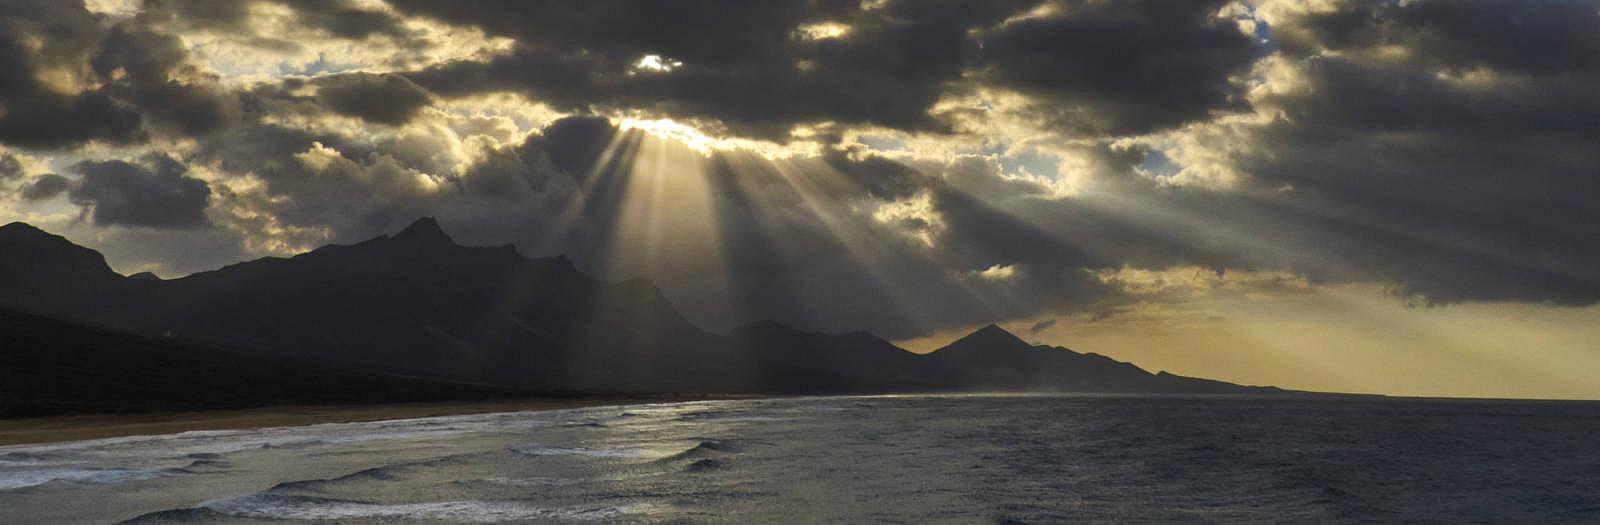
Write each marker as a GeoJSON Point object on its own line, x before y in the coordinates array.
{"type": "Point", "coordinates": [28, 252]}
{"type": "Point", "coordinates": [19, 227]}
{"type": "Point", "coordinates": [985, 341]}
{"type": "Point", "coordinates": [21, 237]}
{"type": "Point", "coordinates": [994, 334]}
{"type": "Point", "coordinates": [425, 230]}
{"type": "Point", "coordinates": [22, 232]}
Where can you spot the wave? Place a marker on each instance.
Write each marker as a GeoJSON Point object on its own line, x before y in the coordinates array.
{"type": "Point", "coordinates": [387, 473]}
{"type": "Point", "coordinates": [531, 482]}
{"type": "Point", "coordinates": [749, 419]}
{"type": "Point", "coordinates": [383, 473]}
{"type": "Point", "coordinates": [21, 459]}
{"type": "Point", "coordinates": [818, 408]}
{"type": "Point", "coordinates": [705, 449]}
{"type": "Point", "coordinates": [705, 465]}
{"type": "Point", "coordinates": [200, 466]}
{"type": "Point", "coordinates": [273, 506]}
{"type": "Point", "coordinates": [534, 450]}
{"type": "Point", "coordinates": [28, 478]}
{"type": "Point", "coordinates": [152, 450]}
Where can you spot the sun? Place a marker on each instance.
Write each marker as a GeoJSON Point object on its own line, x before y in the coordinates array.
{"type": "Point", "coordinates": [671, 130]}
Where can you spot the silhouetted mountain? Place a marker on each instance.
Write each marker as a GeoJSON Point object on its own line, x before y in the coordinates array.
{"type": "Point", "coordinates": [40, 271]}
{"type": "Point", "coordinates": [790, 360]}
{"type": "Point", "coordinates": [417, 303]}
{"type": "Point", "coordinates": [52, 367]}
{"type": "Point", "coordinates": [990, 349]}
{"type": "Point", "coordinates": [414, 303]}
{"type": "Point", "coordinates": [37, 254]}
{"type": "Point", "coordinates": [994, 359]}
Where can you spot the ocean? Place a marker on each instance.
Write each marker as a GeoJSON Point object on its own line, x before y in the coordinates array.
{"type": "Point", "coordinates": [877, 459]}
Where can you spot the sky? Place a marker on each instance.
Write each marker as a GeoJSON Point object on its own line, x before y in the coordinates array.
{"type": "Point", "coordinates": [1364, 196]}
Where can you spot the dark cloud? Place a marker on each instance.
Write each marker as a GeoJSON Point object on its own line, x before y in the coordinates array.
{"type": "Point", "coordinates": [346, 183]}
{"type": "Point", "coordinates": [1041, 326]}
{"type": "Point", "coordinates": [135, 79]}
{"type": "Point", "coordinates": [1122, 67]}
{"type": "Point", "coordinates": [382, 99]}
{"type": "Point", "coordinates": [52, 120]}
{"type": "Point", "coordinates": [1518, 36]}
{"type": "Point", "coordinates": [1451, 220]}
{"type": "Point", "coordinates": [1460, 167]}
{"type": "Point", "coordinates": [504, 173]}
{"type": "Point", "coordinates": [573, 145]}
{"type": "Point", "coordinates": [10, 167]}
{"type": "Point", "coordinates": [743, 65]}
{"type": "Point", "coordinates": [46, 186]}
{"type": "Point", "coordinates": [152, 71]}
{"type": "Point", "coordinates": [156, 196]}
{"type": "Point", "coordinates": [199, 13]}
{"type": "Point", "coordinates": [341, 19]}
{"type": "Point", "coordinates": [338, 18]}
{"type": "Point", "coordinates": [730, 32]}
{"type": "Point", "coordinates": [71, 30]}
{"type": "Point", "coordinates": [753, 102]}
{"type": "Point", "coordinates": [1397, 98]}
{"type": "Point", "coordinates": [39, 115]}
{"type": "Point", "coordinates": [1440, 222]}
{"type": "Point", "coordinates": [1099, 67]}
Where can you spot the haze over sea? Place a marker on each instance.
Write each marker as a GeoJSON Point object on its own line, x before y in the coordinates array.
{"type": "Point", "coordinates": [907, 459]}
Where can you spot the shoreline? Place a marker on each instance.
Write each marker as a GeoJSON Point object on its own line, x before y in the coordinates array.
{"type": "Point", "coordinates": [77, 427]}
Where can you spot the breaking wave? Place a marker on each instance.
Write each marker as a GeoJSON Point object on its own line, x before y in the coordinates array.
{"type": "Point", "coordinates": [28, 478]}
{"type": "Point", "coordinates": [282, 507]}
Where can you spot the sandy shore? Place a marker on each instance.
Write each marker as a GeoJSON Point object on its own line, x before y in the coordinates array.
{"type": "Point", "coordinates": [94, 426]}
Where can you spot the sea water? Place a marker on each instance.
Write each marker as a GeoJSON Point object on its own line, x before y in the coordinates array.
{"type": "Point", "coordinates": [892, 459]}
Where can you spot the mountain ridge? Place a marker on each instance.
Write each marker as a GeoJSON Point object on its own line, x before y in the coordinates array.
{"type": "Point", "coordinates": [49, 366]}
{"type": "Point", "coordinates": [417, 303]}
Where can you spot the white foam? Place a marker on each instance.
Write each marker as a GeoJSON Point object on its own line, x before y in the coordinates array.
{"type": "Point", "coordinates": [819, 408]}
{"type": "Point", "coordinates": [28, 478]}
{"type": "Point", "coordinates": [100, 451]}
{"type": "Point", "coordinates": [470, 511]}
{"type": "Point", "coordinates": [745, 419]}
{"type": "Point", "coordinates": [532, 482]}
{"type": "Point", "coordinates": [11, 463]}
{"type": "Point", "coordinates": [593, 452]}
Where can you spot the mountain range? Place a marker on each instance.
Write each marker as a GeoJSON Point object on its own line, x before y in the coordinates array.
{"type": "Point", "coordinates": [418, 306]}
